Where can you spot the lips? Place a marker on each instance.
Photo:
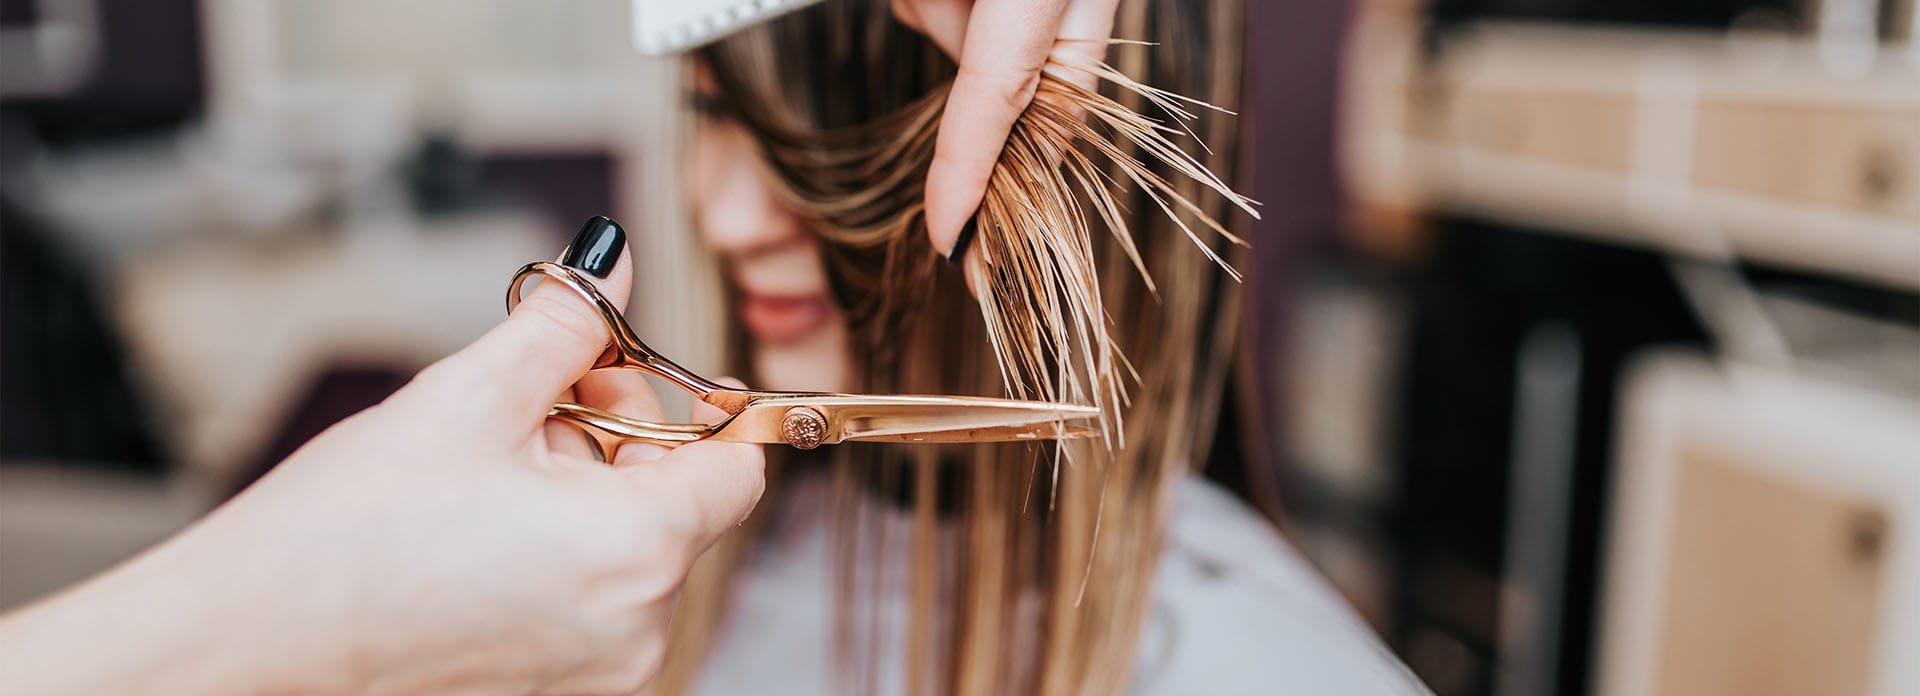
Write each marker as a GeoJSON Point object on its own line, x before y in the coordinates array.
{"type": "Point", "coordinates": [776, 319]}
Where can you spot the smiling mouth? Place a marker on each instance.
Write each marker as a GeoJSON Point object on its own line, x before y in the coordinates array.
{"type": "Point", "coordinates": [783, 319]}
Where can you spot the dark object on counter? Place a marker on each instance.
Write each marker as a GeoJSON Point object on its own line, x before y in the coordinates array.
{"type": "Point", "coordinates": [64, 389]}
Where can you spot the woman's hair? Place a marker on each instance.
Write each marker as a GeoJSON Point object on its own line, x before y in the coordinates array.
{"type": "Point", "coordinates": [1101, 277]}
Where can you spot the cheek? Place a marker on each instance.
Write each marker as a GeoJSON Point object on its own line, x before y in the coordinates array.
{"type": "Point", "coordinates": [735, 208]}
{"type": "Point", "coordinates": [706, 165]}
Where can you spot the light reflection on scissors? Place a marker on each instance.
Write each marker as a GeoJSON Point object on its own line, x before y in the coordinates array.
{"type": "Point", "coordinates": [801, 419]}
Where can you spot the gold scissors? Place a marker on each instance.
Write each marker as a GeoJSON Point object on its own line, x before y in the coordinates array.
{"type": "Point", "coordinates": [802, 419]}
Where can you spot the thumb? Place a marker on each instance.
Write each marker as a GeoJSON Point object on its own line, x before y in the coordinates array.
{"type": "Point", "coordinates": [554, 335]}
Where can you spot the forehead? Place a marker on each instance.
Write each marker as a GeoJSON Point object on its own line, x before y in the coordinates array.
{"type": "Point", "coordinates": [838, 66]}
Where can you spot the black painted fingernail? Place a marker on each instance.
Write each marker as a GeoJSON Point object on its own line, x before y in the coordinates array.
{"type": "Point", "coordinates": [966, 238]}
{"type": "Point", "coordinates": [597, 248]}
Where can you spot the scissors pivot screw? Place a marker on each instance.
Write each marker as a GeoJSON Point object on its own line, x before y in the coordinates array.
{"type": "Point", "coordinates": [804, 427]}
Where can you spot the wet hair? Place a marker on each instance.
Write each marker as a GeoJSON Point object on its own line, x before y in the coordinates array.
{"type": "Point", "coordinates": [1104, 277]}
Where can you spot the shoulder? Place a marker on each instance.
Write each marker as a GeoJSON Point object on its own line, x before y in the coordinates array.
{"type": "Point", "coordinates": [1238, 610]}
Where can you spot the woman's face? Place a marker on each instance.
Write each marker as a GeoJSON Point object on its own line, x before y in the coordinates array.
{"type": "Point", "coordinates": [799, 338]}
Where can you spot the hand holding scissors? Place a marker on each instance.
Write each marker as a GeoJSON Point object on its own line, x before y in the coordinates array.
{"type": "Point", "coordinates": [453, 519]}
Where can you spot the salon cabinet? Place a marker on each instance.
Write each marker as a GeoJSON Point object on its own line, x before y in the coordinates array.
{"type": "Point", "coordinates": [1762, 535]}
{"type": "Point", "coordinates": [1550, 205]}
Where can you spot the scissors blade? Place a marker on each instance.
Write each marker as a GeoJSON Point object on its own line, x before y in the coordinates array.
{"type": "Point", "coordinates": [1005, 433]}
{"type": "Point", "coordinates": [864, 418]}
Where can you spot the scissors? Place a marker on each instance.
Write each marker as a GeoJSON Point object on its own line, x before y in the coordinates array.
{"type": "Point", "coordinates": [801, 419]}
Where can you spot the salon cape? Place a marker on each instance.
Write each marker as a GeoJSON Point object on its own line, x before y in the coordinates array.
{"type": "Point", "coordinates": [1235, 610]}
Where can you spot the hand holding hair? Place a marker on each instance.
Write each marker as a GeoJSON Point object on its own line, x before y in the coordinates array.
{"type": "Point", "coordinates": [447, 539]}
{"type": "Point", "coordinates": [1001, 46]}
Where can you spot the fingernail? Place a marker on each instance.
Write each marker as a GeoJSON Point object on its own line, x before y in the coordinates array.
{"type": "Point", "coordinates": [965, 238]}
{"type": "Point", "coordinates": [597, 248]}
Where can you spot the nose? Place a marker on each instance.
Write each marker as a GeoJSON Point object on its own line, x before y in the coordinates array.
{"type": "Point", "coordinates": [739, 213]}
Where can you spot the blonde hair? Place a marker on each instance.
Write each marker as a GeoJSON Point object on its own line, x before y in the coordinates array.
{"type": "Point", "coordinates": [1046, 576]}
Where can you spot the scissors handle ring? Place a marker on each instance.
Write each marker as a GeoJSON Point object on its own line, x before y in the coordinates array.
{"type": "Point", "coordinates": [625, 349]}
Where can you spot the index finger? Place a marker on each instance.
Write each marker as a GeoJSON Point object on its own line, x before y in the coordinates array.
{"type": "Point", "coordinates": [1006, 45]}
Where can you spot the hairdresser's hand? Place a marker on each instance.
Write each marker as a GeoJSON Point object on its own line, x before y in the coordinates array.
{"type": "Point", "coordinates": [1001, 46]}
{"type": "Point", "coordinates": [448, 539]}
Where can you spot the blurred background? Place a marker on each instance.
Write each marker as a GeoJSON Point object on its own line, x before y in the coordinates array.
{"type": "Point", "coordinates": [1581, 352]}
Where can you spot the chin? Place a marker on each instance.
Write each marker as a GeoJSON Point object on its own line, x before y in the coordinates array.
{"type": "Point", "coordinates": [817, 361]}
